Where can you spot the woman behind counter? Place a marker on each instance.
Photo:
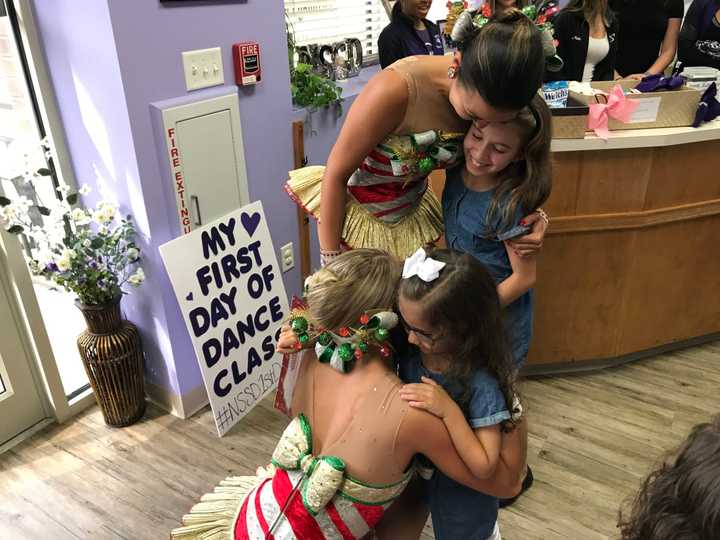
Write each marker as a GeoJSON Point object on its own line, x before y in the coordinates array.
{"type": "Point", "coordinates": [647, 35]}
{"type": "Point", "coordinates": [700, 35]}
{"type": "Point", "coordinates": [409, 33]}
{"type": "Point", "coordinates": [586, 32]}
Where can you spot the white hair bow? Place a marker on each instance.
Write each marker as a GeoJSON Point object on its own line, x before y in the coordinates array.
{"type": "Point", "coordinates": [422, 266]}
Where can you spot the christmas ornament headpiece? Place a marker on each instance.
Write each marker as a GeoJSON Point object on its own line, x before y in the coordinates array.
{"type": "Point", "coordinates": [343, 347]}
{"type": "Point", "coordinates": [469, 23]}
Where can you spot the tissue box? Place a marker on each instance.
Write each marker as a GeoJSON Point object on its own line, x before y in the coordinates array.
{"type": "Point", "coordinates": [570, 122]}
{"type": "Point", "coordinates": [666, 108]}
{"type": "Point", "coordinates": [700, 77]}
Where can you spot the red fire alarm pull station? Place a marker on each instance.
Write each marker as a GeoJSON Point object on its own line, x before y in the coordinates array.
{"type": "Point", "coordinates": [246, 57]}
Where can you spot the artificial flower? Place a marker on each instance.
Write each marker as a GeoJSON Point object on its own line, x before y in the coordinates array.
{"type": "Point", "coordinates": [137, 278]}
{"type": "Point", "coordinates": [80, 217]}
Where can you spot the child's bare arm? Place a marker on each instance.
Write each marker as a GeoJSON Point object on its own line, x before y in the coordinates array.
{"type": "Point", "coordinates": [520, 281]}
{"type": "Point", "coordinates": [479, 449]}
{"type": "Point", "coordinates": [426, 434]}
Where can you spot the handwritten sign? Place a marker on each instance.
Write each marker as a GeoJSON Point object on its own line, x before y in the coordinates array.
{"type": "Point", "coordinates": [228, 285]}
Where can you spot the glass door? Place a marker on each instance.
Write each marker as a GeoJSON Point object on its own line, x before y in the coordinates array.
{"type": "Point", "coordinates": [25, 149]}
{"type": "Point", "coordinates": [20, 403]}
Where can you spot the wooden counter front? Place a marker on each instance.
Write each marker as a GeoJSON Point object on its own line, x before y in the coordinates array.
{"type": "Point", "coordinates": [631, 262]}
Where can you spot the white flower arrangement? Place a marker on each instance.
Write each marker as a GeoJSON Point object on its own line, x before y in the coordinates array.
{"type": "Point", "coordinates": [91, 253]}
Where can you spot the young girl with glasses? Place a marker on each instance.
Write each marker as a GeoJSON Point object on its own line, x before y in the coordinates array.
{"type": "Point", "coordinates": [449, 307]}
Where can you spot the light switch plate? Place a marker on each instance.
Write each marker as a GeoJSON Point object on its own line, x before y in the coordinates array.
{"type": "Point", "coordinates": [203, 68]}
{"type": "Point", "coordinates": [287, 257]}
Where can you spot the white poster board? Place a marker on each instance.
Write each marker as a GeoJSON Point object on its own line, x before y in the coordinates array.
{"type": "Point", "coordinates": [228, 285]}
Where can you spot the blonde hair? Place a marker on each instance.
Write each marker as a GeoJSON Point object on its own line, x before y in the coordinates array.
{"type": "Point", "coordinates": [356, 282]}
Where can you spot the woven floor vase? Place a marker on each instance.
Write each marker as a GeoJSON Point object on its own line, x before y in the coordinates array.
{"type": "Point", "coordinates": [113, 359]}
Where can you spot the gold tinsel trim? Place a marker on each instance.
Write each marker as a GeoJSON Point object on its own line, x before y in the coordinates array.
{"type": "Point", "coordinates": [214, 517]}
{"type": "Point", "coordinates": [421, 226]}
{"type": "Point", "coordinates": [304, 188]}
{"type": "Point", "coordinates": [424, 224]}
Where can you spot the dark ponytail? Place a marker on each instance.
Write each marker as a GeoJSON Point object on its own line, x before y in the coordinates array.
{"type": "Point", "coordinates": [504, 61]}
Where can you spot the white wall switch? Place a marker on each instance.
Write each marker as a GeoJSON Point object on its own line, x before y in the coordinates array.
{"type": "Point", "coordinates": [203, 68]}
{"type": "Point", "coordinates": [287, 258]}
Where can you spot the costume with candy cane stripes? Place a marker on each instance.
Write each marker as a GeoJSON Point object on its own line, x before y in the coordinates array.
{"type": "Point", "coordinates": [389, 206]}
{"type": "Point", "coordinates": [299, 496]}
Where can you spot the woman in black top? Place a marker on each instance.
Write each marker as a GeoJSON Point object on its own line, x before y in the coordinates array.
{"type": "Point", "coordinates": [647, 36]}
{"type": "Point", "coordinates": [409, 33]}
{"type": "Point", "coordinates": [700, 35]}
{"type": "Point", "coordinates": [586, 31]}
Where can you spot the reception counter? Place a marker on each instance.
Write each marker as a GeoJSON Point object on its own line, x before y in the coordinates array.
{"type": "Point", "coordinates": [631, 261]}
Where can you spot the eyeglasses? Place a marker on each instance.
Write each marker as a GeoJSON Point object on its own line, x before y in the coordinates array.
{"type": "Point", "coordinates": [422, 335]}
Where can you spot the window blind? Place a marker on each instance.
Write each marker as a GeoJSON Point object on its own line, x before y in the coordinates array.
{"type": "Point", "coordinates": [330, 21]}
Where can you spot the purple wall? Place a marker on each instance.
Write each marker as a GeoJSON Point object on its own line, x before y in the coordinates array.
{"type": "Point", "coordinates": [82, 57]}
{"type": "Point", "coordinates": [109, 59]}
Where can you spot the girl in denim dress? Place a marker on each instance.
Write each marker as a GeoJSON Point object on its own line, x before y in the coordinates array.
{"type": "Point", "coordinates": [465, 375]}
{"type": "Point", "coordinates": [506, 172]}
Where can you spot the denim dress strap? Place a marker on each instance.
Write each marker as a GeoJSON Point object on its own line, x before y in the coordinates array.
{"type": "Point", "coordinates": [467, 230]}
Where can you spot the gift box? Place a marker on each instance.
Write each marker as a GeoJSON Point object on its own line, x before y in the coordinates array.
{"type": "Point", "coordinates": [666, 108]}
{"type": "Point", "coordinates": [570, 122]}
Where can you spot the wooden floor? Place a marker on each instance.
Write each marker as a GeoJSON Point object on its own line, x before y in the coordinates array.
{"type": "Point", "coordinates": [593, 438]}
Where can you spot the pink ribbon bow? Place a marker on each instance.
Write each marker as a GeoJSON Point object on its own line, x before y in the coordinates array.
{"type": "Point", "coordinates": [617, 106]}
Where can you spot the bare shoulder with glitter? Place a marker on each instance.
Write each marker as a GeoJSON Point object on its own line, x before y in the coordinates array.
{"type": "Point", "coordinates": [354, 416]}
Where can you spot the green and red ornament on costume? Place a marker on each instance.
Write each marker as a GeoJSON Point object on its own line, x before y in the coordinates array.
{"type": "Point", "coordinates": [342, 349]}
{"type": "Point", "coordinates": [389, 206]}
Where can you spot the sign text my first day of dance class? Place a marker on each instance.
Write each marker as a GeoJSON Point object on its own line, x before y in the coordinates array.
{"type": "Point", "coordinates": [228, 285]}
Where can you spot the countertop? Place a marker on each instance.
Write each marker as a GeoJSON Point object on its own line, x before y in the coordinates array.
{"type": "Point", "coordinates": [641, 138]}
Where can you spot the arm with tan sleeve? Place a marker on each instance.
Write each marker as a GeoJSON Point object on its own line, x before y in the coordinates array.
{"type": "Point", "coordinates": [377, 111]}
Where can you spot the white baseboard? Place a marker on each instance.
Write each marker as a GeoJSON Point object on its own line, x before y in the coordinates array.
{"type": "Point", "coordinates": [181, 406]}
{"type": "Point", "coordinates": [42, 424]}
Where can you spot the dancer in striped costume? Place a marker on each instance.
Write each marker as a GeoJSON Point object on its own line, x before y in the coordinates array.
{"type": "Point", "coordinates": [299, 496]}
{"type": "Point", "coordinates": [389, 206]}
{"type": "Point", "coordinates": [407, 122]}
{"type": "Point", "coordinates": [348, 452]}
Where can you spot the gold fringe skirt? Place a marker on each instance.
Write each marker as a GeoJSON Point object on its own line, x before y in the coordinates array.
{"type": "Point", "coordinates": [422, 225]}
{"type": "Point", "coordinates": [213, 518]}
